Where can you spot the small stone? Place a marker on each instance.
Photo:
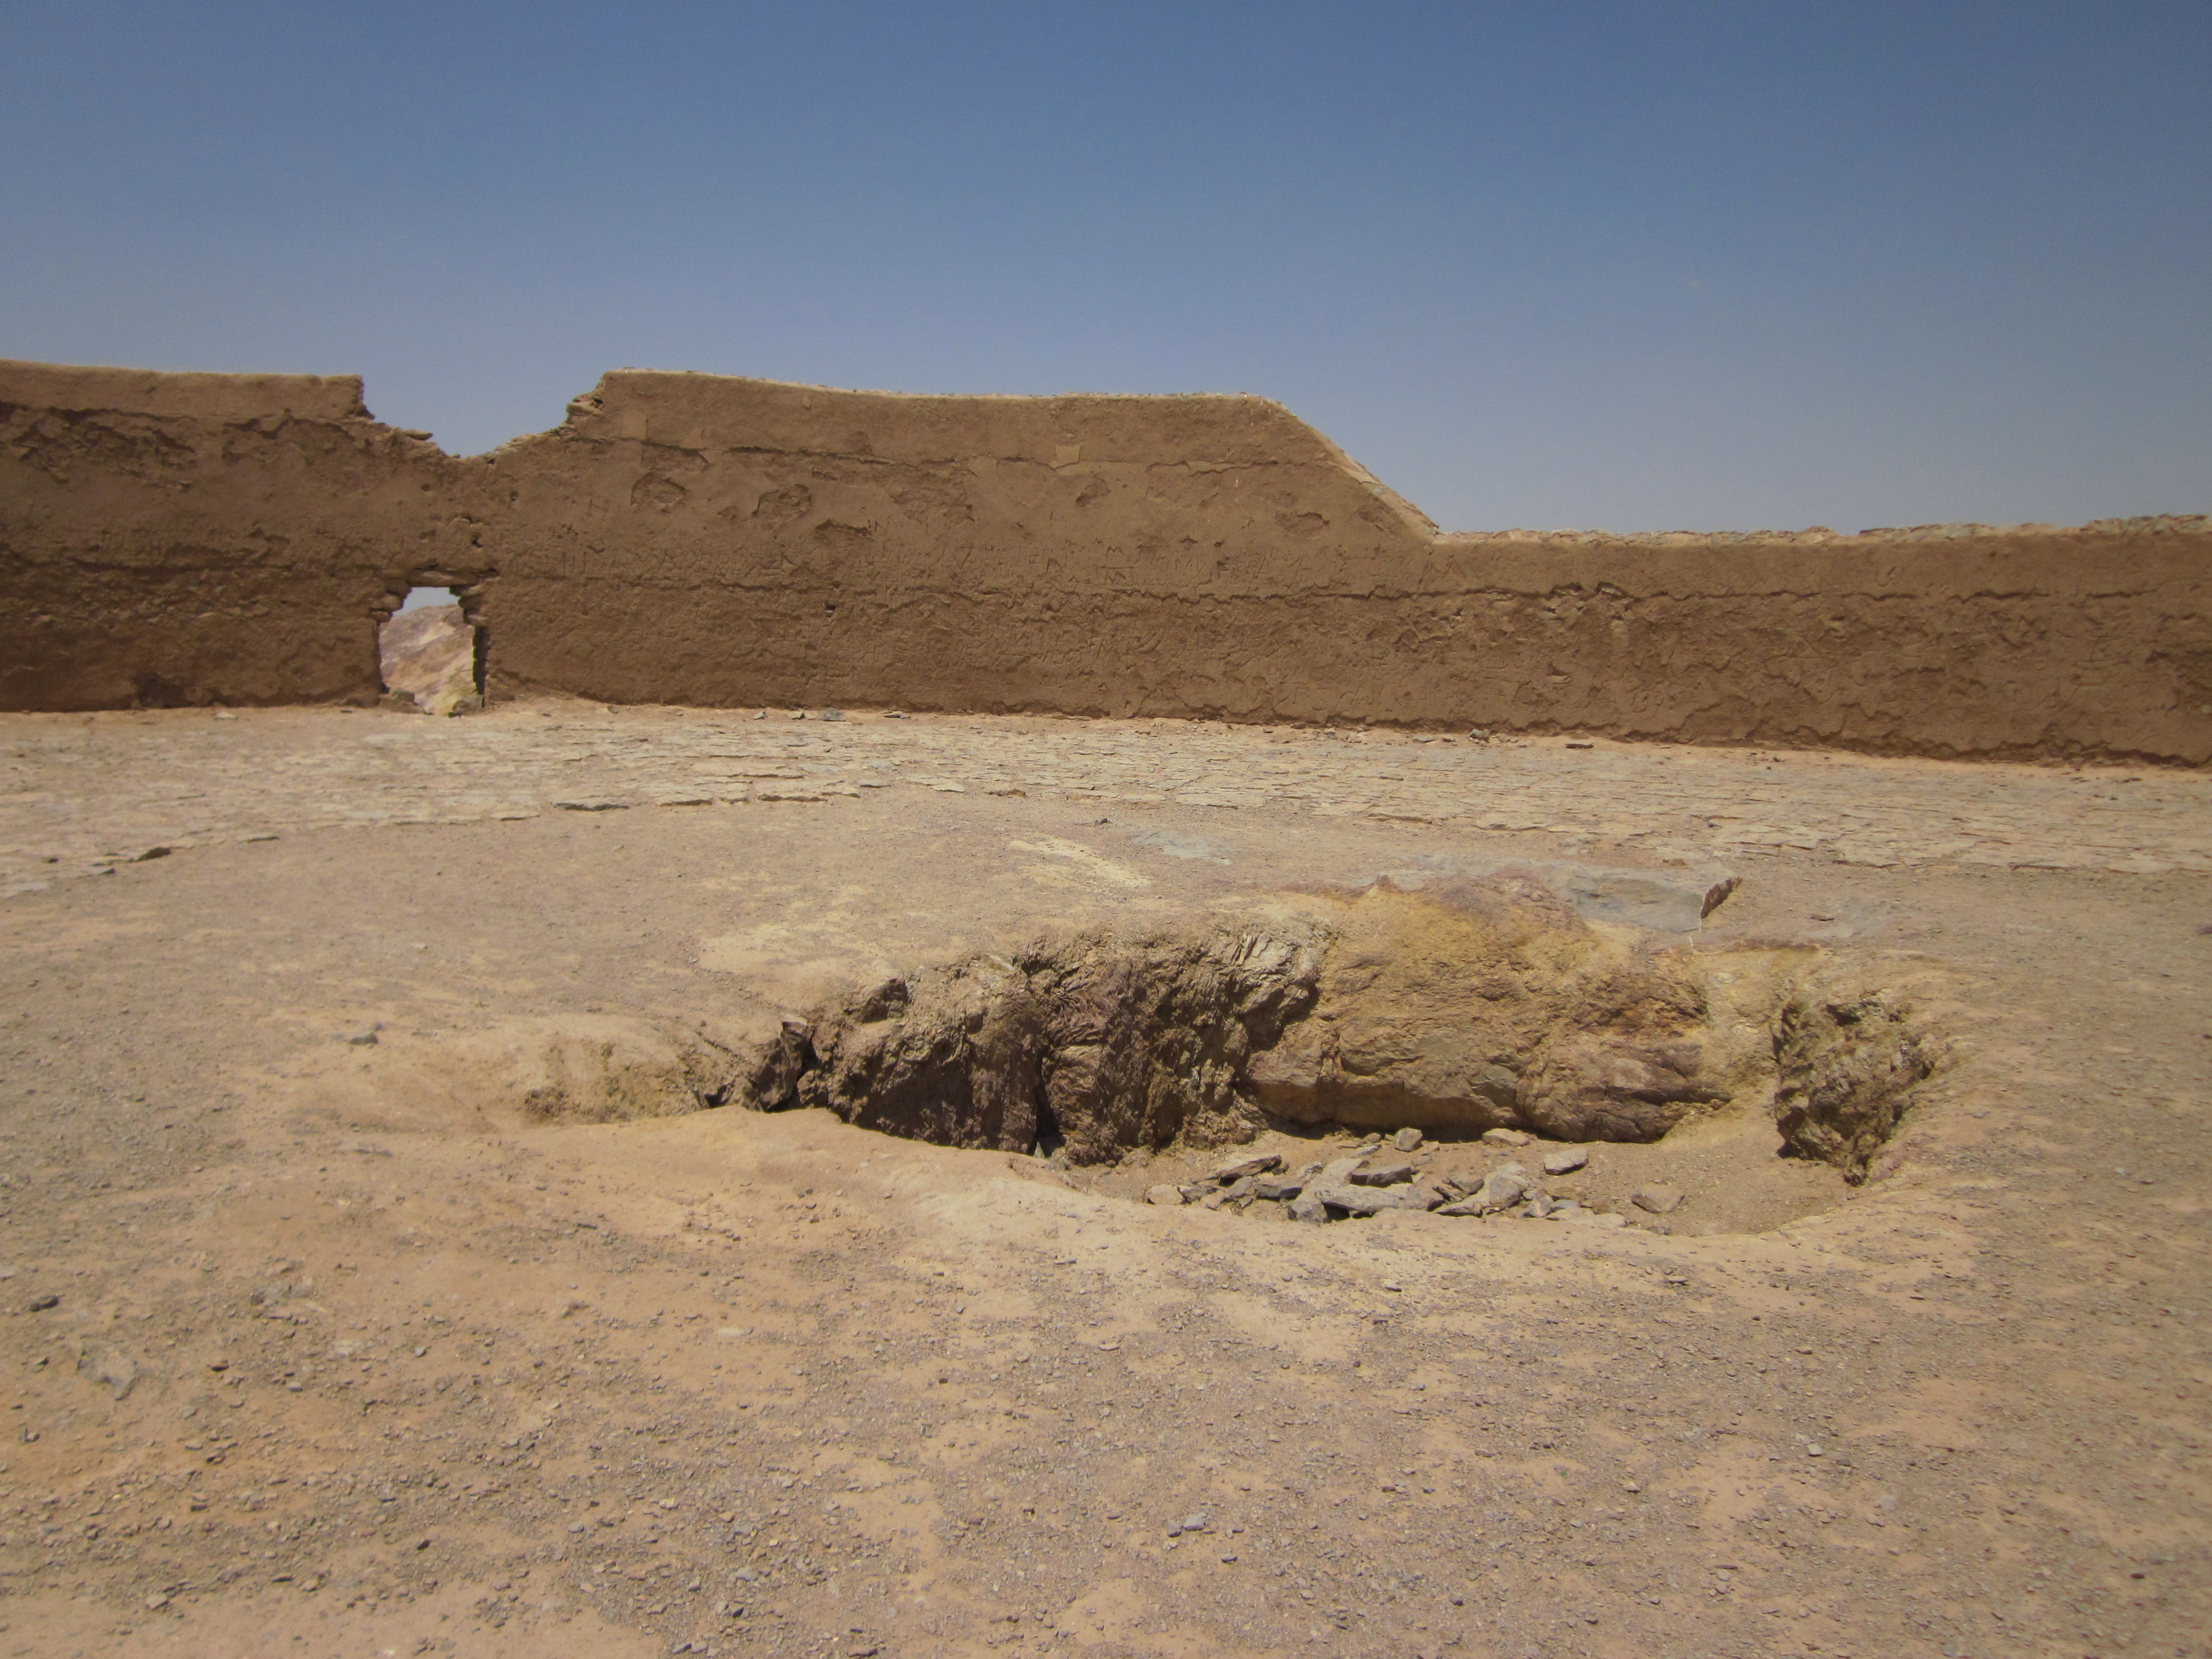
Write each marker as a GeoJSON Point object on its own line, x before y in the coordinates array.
{"type": "Point", "coordinates": [1501, 1189]}
{"type": "Point", "coordinates": [365, 1038]}
{"type": "Point", "coordinates": [112, 1368]}
{"type": "Point", "coordinates": [1658, 1200]}
{"type": "Point", "coordinates": [1264, 1163]}
{"type": "Point", "coordinates": [1162, 1194]}
{"type": "Point", "coordinates": [1407, 1141]}
{"type": "Point", "coordinates": [40, 1303]}
{"type": "Point", "coordinates": [1565, 1160]}
{"type": "Point", "coordinates": [1382, 1175]}
{"type": "Point", "coordinates": [1197, 1521]}
{"type": "Point", "coordinates": [1505, 1137]}
{"type": "Point", "coordinates": [1278, 1191]}
{"type": "Point", "coordinates": [1373, 1201]}
{"type": "Point", "coordinates": [1308, 1206]}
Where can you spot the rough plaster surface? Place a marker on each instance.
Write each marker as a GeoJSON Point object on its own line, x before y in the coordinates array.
{"type": "Point", "coordinates": [699, 539]}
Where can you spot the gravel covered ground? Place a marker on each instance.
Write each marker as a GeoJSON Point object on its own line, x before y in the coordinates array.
{"type": "Point", "coordinates": [294, 1368]}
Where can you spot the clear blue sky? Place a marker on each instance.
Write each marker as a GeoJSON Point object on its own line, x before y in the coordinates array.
{"type": "Point", "coordinates": [1637, 266]}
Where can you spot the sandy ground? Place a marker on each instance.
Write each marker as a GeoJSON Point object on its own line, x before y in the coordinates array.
{"type": "Point", "coordinates": [293, 1373]}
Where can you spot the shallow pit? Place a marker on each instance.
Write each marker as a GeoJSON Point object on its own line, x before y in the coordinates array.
{"type": "Point", "coordinates": [1469, 1029]}
{"type": "Point", "coordinates": [1465, 1033]}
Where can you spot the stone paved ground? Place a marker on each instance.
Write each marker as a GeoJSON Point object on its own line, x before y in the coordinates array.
{"type": "Point", "coordinates": [79, 793]}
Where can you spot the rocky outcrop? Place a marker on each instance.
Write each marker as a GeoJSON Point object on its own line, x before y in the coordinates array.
{"type": "Point", "coordinates": [1098, 1042]}
{"type": "Point", "coordinates": [1477, 1005]}
{"type": "Point", "coordinates": [1847, 1064]}
{"type": "Point", "coordinates": [1628, 1062]}
{"type": "Point", "coordinates": [1491, 1003]}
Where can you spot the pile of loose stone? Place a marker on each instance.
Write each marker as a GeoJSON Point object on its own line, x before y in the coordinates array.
{"type": "Point", "coordinates": [1373, 1177]}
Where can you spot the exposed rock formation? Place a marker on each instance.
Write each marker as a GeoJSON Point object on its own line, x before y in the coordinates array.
{"type": "Point", "coordinates": [1491, 1003]}
{"type": "Point", "coordinates": [1848, 1065]}
{"type": "Point", "coordinates": [1109, 1044]}
{"type": "Point", "coordinates": [1479, 1004]}
{"type": "Point", "coordinates": [1483, 1008]}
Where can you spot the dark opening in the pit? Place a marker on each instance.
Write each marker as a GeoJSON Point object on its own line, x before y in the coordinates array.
{"type": "Point", "coordinates": [430, 654]}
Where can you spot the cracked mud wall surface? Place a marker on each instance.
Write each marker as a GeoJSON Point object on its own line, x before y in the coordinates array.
{"type": "Point", "coordinates": [717, 541]}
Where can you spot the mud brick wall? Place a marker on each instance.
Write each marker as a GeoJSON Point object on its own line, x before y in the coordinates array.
{"type": "Point", "coordinates": [171, 539]}
{"type": "Point", "coordinates": [700, 539]}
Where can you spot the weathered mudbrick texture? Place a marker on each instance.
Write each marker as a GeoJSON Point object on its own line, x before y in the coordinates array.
{"type": "Point", "coordinates": [691, 538]}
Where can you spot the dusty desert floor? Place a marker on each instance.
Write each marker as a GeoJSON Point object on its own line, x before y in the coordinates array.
{"type": "Point", "coordinates": [315, 1346]}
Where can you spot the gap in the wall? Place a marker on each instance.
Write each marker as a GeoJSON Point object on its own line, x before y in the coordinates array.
{"type": "Point", "coordinates": [419, 598]}
{"type": "Point", "coordinates": [429, 654]}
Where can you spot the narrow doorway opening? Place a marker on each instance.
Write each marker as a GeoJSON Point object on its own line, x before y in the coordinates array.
{"type": "Point", "coordinates": [427, 651]}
